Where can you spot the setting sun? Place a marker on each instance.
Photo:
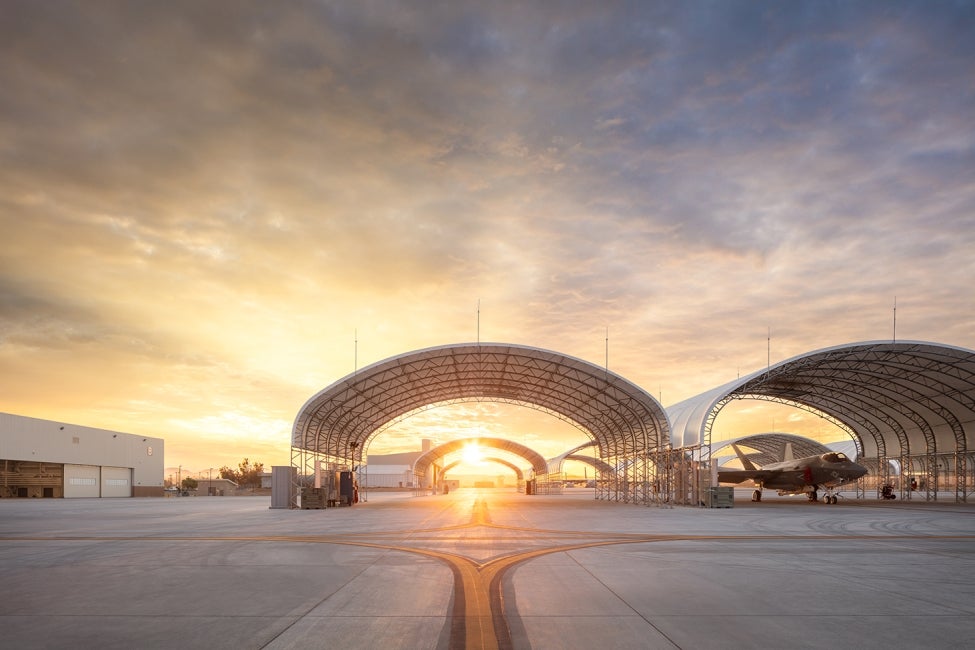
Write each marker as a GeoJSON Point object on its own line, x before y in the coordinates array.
{"type": "Point", "coordinates": [472, 454]}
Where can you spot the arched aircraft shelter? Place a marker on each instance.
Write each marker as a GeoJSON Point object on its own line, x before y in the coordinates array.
{"type": "Point", "coordinates": [627, 424]}
{"type": "Point", "coordinates": [423, 464]}
{"type": "Point", "coordinates": [519, 473]}
{"type": "Point", "coordinates": [908, 404]}
{"type": "Point", "coordinates": [555, 463]}
{"type": "Point", "coordinates": [910, 401]}
{"type": "Point", "coordinates": [603, 467]}
{"type": "Point", "coordinates": [765, 448]}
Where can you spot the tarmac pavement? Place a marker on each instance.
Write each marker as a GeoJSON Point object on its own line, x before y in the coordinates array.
{"type": "Point", "coordinates": [484, 569]}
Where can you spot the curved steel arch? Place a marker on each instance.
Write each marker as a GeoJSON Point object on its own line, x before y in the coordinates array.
{"type": "Point", "coordinates": [519, 473]}
{"type": "Point", "coordinates": [601, 465]}
{"type": "Point", "coordinates": [916, 396]}
{"type": "Point", "coordinates": [555, 462]}
{"type": "Point", "coordinates": [468, 400]}
{"type": "Point", "coordinates": [340, 420]}
{"type": "Point", "coordinates": [537, 461]}
{"type": "Point", "coordinates": [770, 447]}
{"type": "Point", "coordinates": [912, 383]}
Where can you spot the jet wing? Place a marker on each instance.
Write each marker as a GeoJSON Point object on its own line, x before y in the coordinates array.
{"type": "Point", "coordinates": [783, 478]}
{"type": "Point", "coordinates": [739, 475]}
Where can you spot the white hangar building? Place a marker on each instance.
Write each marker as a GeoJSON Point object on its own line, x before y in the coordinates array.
{"type": "Point", "coordinates": [41, 458]}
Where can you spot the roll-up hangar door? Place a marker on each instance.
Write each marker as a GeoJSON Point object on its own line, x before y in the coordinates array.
{"type": "Point", "coordinates": [81, 481]}
{"type": "Point", "coordinates": [116, 482]}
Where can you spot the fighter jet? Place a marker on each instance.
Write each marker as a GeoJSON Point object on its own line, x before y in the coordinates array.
{"type": "Point", "coordinates": [796, 476]}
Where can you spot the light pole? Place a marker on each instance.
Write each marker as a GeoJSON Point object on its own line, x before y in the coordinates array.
{"type": "Point", "coordinates": [179, 480]}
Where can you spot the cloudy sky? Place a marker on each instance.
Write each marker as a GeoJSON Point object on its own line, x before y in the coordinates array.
{"type": "Point", "coordinates": [210, 211]}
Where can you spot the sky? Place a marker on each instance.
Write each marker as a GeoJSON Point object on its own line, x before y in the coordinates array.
{"type": "Point", "coordinates": [211, 211]}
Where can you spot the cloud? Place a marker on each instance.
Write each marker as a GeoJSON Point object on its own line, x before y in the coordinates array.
{"type": "Point", "coordinates": [217, 199]}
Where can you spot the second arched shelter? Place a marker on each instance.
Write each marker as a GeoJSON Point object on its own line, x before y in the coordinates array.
{"type": "Point", "coordinates": [911, 402]}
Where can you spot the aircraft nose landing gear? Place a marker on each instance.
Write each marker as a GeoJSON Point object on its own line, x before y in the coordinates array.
{"type": "Point", "coordinates": [830, 498]}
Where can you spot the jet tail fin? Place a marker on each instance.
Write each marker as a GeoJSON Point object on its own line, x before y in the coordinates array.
{"type": "Point", "coordinates": [747, 464]}
{"type": "Point", "coordinates": [787, 453]}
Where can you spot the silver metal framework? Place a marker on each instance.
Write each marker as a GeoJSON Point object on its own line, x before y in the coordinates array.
{"type": "Point", "coordinates": [909, 407]}
{"type": "Point", "coordinates": [910, 401]}
{"type": "Point", "coordinates": [338, 423]}
{"type": "Point", "coordinates": [423, 464]}
{"type": "Point", "coordinates": [770, 447]}
{"type": "Point", "coordinates": [519, 473]}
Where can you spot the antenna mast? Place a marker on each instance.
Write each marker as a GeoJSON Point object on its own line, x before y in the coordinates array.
{"type": "Point", "coordinates": [895, 319]}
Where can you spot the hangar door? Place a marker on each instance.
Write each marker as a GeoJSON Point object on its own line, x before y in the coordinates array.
{"type": "Point", "coordinates": [81, 481]}
{"type": "Point", "coordinates": [116, 482]}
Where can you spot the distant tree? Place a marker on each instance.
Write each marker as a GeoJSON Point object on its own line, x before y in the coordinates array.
{"type": "Point", "coordinates": [190, 483]}
{"type": "Point", "coordinates": [250, 474]}
{"type": "Point", "coordinates": [246, 474]}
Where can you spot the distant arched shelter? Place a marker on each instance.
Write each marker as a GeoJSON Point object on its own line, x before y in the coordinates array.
{"type": "Point", "coordinates": [423, 464]}
{"type": "Point", "coordinates": [765, 448]}
{"type": "Point", "coordinates": [519, 473]}
{"type": "Point", "coordinates": [555, 463]}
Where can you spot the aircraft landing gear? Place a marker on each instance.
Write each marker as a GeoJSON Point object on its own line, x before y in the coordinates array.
{"type": "Point", "coordinates": [830, 498]}
{"type": "Point", "coordinates": [757, 495]}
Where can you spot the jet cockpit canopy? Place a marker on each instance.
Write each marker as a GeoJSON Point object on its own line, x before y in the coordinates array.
{"type": "Point", "coordinates": [835, 457]}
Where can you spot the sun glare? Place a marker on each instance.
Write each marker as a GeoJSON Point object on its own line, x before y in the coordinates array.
{"type": "Point", "coordinates": [472, 454]}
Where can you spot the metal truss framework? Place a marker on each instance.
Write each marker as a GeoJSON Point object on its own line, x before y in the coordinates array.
{"type": "Point", "coordinates": [595, 463]}
{"type": "Point", "coordinates": [908, 406]}
{"type": "Point", "coordinates": [337, 424]}
{"type": "Point", "coordinates": [662, 478]}
{"type": "Point", "coordinates": [913, 402]}
{"type": "Point", "coordinates": [770, 447]}
{"type": "Point", "coordinates": [519, 474]}
{"type": "Point", "coordinates": [603, 470]}
{"type": "Point", "coordinates": [309, 464]}
{"type": "Point", "coordinates": [422, 466]}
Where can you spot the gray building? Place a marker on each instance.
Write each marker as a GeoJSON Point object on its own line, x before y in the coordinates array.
{"type": "Point", "coordinates": [216, 487]}
{"type": "Point", "coordinates": [42, 458]}
{"type": "Point", "coordinates": [393, 470]}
